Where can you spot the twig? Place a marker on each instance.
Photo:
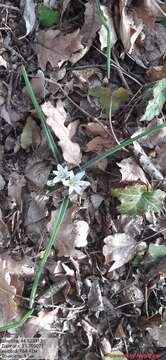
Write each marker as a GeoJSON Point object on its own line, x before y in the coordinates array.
{"type": "Point", "coordinates": [121, 73]}
{"type": "Point", "coordinates": [111, 126]}
{"type": "Point", "coordinates": [146, 163]}
{"type": "Point", "coordinates": [10, 7]}
{"type": "Point", "coordinates": [77, 106]}
{"type": "Point", "coordinates": [114, 64]}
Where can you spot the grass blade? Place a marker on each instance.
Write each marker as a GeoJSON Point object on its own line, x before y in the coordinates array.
{"type": "Point", "coordinates": [17, 323]}
{"type": "Point", "coordinates": [117, 148]}
{"type": "Point", "coordinates": [51, 241]}
{"type": "Point", "coordinates": [41, 116]}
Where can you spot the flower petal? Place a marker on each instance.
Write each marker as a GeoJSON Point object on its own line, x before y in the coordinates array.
{"type": "Point", "coordinates": [71, 174]}
{"type": "Point", "coordinates": [71, 189]}
{"type": "Point", "coordinates": [50, 183]}
{"type": "Point", "coordinates": [84, 183]}
{"type": "Point", "coordinates": [56, 180]}
{"type": "Point", "coordinates": [66, 182]}
{"type": "Point", "coordinates": [80, 175]}
{"type": "Point", "coordinates": [78, 189]}
{"type": "Point", "coordinates": [60, 167]}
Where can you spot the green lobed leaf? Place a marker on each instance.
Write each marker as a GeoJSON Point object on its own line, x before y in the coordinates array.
{"type": "Point", "coordinates": [48, 17]}
{"type": "Point", "coordinates": [157, 251]}
{"type": "Point", "coordinates": [135, 200]}
{"type": "Point", "coordinates": [106, 98]}
{"type": "Point", "coordinates": [155, 106]}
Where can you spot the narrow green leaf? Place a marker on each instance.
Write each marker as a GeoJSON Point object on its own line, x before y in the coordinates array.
{"type": "Point", "coordinates": [51, 241]}
{"type": "Point", "coordinates": [117, 148]}
{"type": "Point", "coordinates": [157, 251]}
{"type": "Point", "coordinates": [17, 323]}
{"type": "Point", "coordinates": [136, 200]}
{"type": "Point", "coordinates": [48, 17]}
{"type": "Point", "coordinates": [41, 116]}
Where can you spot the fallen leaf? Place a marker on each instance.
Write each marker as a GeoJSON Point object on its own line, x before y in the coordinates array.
{"type": "Point", "coordinates": [139, 31]}
{"type": "Point", "coordinates": [56, 117]}
{"type": "Point", "coordinates": [4, 233]}
{"type": "Point", "coordinates": [100, 144]}
{"type": "Point", "coordinates": [95, 129]}
{"type": "Point", "coordinates": [110, 23]}
{"type": "Point", "coordinates": [88, 30]}
{"type": "Point", "coordinates": [15, 186]}
{"type": "Point", "coordinates": [134, 292]}
{"type": "Point", "coordinates": [72, 234]}
{"type": "Point", "coordinates": [129, 29]}
{"type": "Point", "coordinates": [36, 210]}
{"type": "Point", "coordinates": [95, 301]}
{"type": "Point", "coordinates": [64, 5]}
{"type": "Point", "coordinates": [37, 172]}
{"type": "Point", "coordinates": [102, 140]}
{"type": "Point", "coordinates": [156, 73]}
{"type": "Point", "coordinates": [38, 85]}
{"type": "Point", "coordinates": [155, 139]}
{"type": "Point", "coordinates": [135, 200]}
{"type": "Point", "coordinates": [3, 62]}
{"type": "Point", "coordinates": [119, 248]}
{"type": "Point", "coordinates": [24, 267]}
{"type": "Point", "coordinates": [2, 183]}
{"type": "Point", "coordinates": [44, 320]}
{"type": "Point", "coordinates": [149, 11]}
{"type": "Point", "coordinates": [31, 134]}
{"type": "Point", "coordinates": [29, 16]}
{"type": "Point", "coordinates": [131, 226]}
{"type": "Point", "coordinates": [11, 117]}
{"type": "Point", "coordinates": [7, 293]}
{"type": "Point", "coordinates": [55, 47]}
{"type": "Point", "coordinates": [158, 334]}
{"type": "Point", "coordinates": [84, 75]}
{"type": "Point", "coordinates": [131, 171]}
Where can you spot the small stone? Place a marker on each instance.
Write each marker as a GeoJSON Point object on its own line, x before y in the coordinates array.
{"type": "Point", "coordinates": [2, 182]}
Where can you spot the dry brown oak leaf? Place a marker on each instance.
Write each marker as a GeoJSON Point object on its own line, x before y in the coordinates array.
{"type": "Point", "coordinates": [56, 117]}
{"type": "Point", "coordinates": [56, 48]}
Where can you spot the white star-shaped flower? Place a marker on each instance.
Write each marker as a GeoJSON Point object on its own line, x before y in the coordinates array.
{"type": "Point", "coordinates": [75, 183]}
{"type": "Point", "coordinates": [61, 173]}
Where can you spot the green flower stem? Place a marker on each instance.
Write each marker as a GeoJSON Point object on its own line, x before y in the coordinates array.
{"type": "Point", "coordinates": [52, 239]}
{"type": "Point", "coordinates": [41, 116]}
{"type": "Point", "coordinates": [43, 260]}
{"type": "Point", "coordinates": [117, 148]}
{"type": "Point", "coordinates": [17, 323]}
